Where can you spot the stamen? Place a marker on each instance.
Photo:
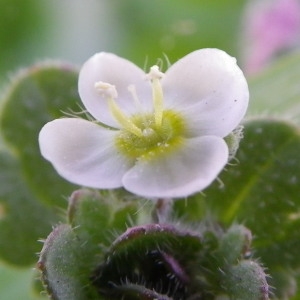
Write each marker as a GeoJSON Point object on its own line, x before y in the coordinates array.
{"type": "Point", "coordinates": [106, 90]}
{"type": "Point", "coordinates": [123, 119]}
{"type": "Point", "coordinates": [110, 93]}
{"type": "Point", "coordinates": [155, 75]}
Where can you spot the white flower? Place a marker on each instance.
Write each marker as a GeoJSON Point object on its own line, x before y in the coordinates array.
{"type": "Point", "coordinates": [163, 133]}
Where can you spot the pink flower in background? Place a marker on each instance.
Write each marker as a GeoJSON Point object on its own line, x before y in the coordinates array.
{"type": "Point", "coordinates": [270, 27]}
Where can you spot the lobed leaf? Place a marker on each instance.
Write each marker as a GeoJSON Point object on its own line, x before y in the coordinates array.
{"type": "Point", "coordinates": [37, 96]}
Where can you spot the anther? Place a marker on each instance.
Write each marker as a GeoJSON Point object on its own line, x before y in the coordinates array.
{"type": "Point", "coordinates": [106, 89]}
{"type": "Point", "coordinates": [155, 73]}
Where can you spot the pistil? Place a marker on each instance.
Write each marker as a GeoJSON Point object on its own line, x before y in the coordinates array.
{"type": "Point", "coordinates": [157, 94]}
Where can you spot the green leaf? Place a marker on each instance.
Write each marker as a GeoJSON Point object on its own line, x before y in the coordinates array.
{"type": "Point", "coordinates": [23, 219]}
{"type": "Point", "coordinates": [235, 243]}
{"type": "Point", "coordinates": [94, 215]}
{"type": "Point", "coordinates": [62, 263]}
{"type": "Point", "coordinates": [38, 95]}
{"type": "Point", "coordinates": [261, 190]}
{"type": "Point", "coordinates": [276, 90]}
{"type": "Point", "coordinates": [247, 281]}
{"type": "Point", "coordinates": [16, 284]}
{"type": "Point", "coordinates": [30, 189]}
{"type": "Point", "coordinates": [72, 252]}
{"type": "Point", "coordinates": [149, 261]}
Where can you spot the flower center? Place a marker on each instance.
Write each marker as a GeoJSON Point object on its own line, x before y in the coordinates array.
{"type": "Point", "coordinates": [145, 135]}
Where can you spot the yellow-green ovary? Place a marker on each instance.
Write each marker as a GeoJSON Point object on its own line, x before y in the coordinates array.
{"type": "Point", "coordinates": [155, 140]}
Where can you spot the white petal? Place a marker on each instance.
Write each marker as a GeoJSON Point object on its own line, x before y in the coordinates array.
{"type": "Point", "coordinates": [209, 88]}
{"type": "Point", "coordinates": [116, 71]}
{"type": "Point", "coordinates": [83, 153]}
{"type": "Point", "coordinates": [189, 170]}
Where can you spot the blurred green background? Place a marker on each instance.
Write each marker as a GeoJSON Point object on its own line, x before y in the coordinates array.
{"type": "Point", "coordinates": [73, 30]}
{"type": "Point", "coordinates": [143, 31]}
